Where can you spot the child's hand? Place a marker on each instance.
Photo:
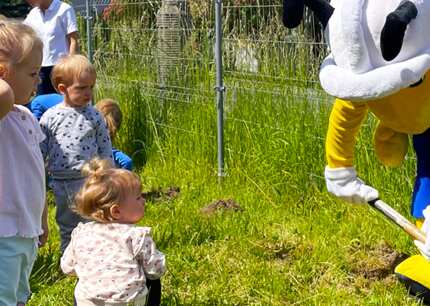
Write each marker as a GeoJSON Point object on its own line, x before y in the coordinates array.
{"type": "Point", "coordinates": [44, 237]}
{"type": "Point", "coordinates": [7, 98]}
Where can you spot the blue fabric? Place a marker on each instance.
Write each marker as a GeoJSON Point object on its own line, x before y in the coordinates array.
{"type": "Point", "coordinates": [122, 160]}
{"type": "Point", "coordinates": [66, 217]}
{"type": "Point", "coordinates": [17, 256]}
{"type": "Point", "coordinates": [45, 85]}
{"type": "Point", "coordinates": [421, 195]}
{"type": "Point", "coordinates": [42, 103]}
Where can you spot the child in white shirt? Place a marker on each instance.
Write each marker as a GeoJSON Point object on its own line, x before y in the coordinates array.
{"type": "Point", "coordinates": [113, 259]}
{"type": "Point", "coordinates": [23, 214]}
{"type": "Point", "coordinates": [75, 133]}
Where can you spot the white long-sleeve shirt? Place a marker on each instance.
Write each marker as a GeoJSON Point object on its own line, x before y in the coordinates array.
{"type": "Point", "coordinates": [22, 175]}
{"type": "Point", "coordinates": [112, 261]}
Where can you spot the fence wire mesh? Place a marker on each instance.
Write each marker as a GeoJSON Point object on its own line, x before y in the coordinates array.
{"type": "Point", "coordinates": [263, 61]}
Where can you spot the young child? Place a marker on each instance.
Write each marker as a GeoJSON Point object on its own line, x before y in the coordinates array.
{"type": "Point", "coordinates": [56, 24]}
{"type": "Point", "coordinates": [23, 214]}
{"type": "Point", "coordinates": [75, 133]}
{"type": "Point", "coordinates": [113, 117]}
{"type": "Point", "coordinates": [113, 259]}
{"type": "Point", "coordinates": [107, 107]}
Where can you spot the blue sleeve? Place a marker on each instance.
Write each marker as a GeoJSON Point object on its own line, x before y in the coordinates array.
{"type": "Point", "coordinates": [42, 103]}
{"type": "Point", "coordinates": [37, 109]}
{"type": "Point", "coordinates": [122, 160]}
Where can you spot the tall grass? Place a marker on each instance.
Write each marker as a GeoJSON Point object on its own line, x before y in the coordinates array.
{"type": "Point", "coordinates": [293, 244]}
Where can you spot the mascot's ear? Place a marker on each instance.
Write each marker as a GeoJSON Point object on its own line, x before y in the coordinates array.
{"type": "Point", "coordinates": [293, 11]}
{"type": "Point", "coordinates": [394, 29]}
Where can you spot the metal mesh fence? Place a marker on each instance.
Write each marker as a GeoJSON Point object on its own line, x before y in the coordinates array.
{"type": "Point", "coordinates": [255, 41]}
{"type": "Point", "coordinates": [166, 47]}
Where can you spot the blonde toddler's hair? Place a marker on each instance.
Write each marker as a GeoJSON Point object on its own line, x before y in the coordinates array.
{"type": "Point", "coordinates": [69, 68]}
{"type": "Point", "coordinates": [104, 187]}
{"type": "Point", "coordinates": [17, 40]}
{"type": "Point", "coordinates": [110, 110]}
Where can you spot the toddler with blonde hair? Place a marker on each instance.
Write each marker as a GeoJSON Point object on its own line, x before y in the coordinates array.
{"type": "Point", "coordinates": [23, 214]}
{"type": "Point", "coordinates": [114, 260]}
{"type": "Point", "coordinates": [75, 133]}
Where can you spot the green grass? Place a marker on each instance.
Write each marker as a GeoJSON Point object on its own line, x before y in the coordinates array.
{"type": "Point", "coordinates": [293, 244]}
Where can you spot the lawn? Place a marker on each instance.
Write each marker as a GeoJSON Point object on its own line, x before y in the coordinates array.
{"type": "Point", "coordinates": [283, 240]}
{"type": "Point", "coordinates": [290, 243]}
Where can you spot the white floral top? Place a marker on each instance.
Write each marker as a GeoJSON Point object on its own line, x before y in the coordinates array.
{"type": "Point", "coordinates": [112, 261]}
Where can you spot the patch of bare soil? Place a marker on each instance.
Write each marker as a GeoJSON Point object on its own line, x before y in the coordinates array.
{"type": "Point", "coordinates": [221, 205]}
{"type": "Point", "coordinates": [376, 263]}
{"type": "Point", "coordinates": [287, 250]}
{"type": "Point", "coordinates": [160, 194]}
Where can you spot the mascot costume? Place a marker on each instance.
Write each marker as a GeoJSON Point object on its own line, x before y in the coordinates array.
{"type": "Point", "coordinates": [379, 63]}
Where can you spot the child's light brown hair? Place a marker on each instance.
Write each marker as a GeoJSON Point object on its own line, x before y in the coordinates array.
{"type": "Point", "coordinates": [17, 40]}
{"type": "Point", "coordinates": [104, 187]}
{"type": "Point", "coordinates": [110, 110]}
{"type": "Point", "coordinates": [69, 69]}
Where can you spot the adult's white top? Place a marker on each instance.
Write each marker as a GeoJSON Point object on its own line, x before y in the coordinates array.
{"type": "Point", "coordinates": [52, 26]}
{"type": "Point", "coordinates": [22, 175]}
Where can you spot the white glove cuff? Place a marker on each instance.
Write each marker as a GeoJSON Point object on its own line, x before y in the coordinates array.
{"type": "Point", "coordinates": [340, 173]}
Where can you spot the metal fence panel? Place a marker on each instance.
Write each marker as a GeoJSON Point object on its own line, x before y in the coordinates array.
{"type": "Point", "coordinates": [133, 42]}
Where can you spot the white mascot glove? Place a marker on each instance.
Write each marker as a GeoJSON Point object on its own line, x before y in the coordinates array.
{"type": "Point", "coordinates": [344, 183]}
{"type": "Point", "coordinates": [424, 248]}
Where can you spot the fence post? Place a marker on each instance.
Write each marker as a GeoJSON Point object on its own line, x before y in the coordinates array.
{"type": "Point", "coordinates": [88, 19]}
{"type": "Point", "coordinates": [168, 40]}
{"type": "Point", "coordinates": [220, 89]}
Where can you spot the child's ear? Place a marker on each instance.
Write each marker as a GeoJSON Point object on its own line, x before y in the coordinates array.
{"type": "Point", "coordinates": [61, 88]}
{"type": "Point", "coordinates": [115, 211]}
{"type": "Point", "coordinates": [4, 71]}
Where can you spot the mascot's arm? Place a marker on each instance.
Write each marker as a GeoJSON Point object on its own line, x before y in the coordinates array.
{"type": "Point", "coordinates": [340, 175]}
{"type": "Point", "coordinates": [345, 122]}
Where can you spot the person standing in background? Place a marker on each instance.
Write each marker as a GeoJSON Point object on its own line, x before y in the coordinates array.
{"type": "Point", "coordinates": [55, 23]}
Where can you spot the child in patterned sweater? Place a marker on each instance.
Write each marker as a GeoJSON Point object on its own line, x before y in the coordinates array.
{"type": "Point", "coordinates": [75, 133]}
{"type": "Point", "coordinates": [114, 260]}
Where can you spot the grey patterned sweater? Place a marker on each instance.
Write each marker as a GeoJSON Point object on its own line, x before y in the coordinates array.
{"type": "Point", "coordinates": [73, 137]}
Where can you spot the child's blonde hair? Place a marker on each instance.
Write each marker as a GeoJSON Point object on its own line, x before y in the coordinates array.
{"type": "Point", "coordinates": [17, 40]}
{"type": "Point", "coordinates": [104, 187]}
{"type": "Point", "coordinates": [69, 68]}
{"type": "Point", "coordinates": [110, 110]}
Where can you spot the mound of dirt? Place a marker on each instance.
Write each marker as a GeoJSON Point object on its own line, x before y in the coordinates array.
{"type": "Point", "coordinates": [159, 194]}
{"type": "Point", "coordinates": [221, 205]}
{"type": "Point", "coordinates": [378, 262]}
